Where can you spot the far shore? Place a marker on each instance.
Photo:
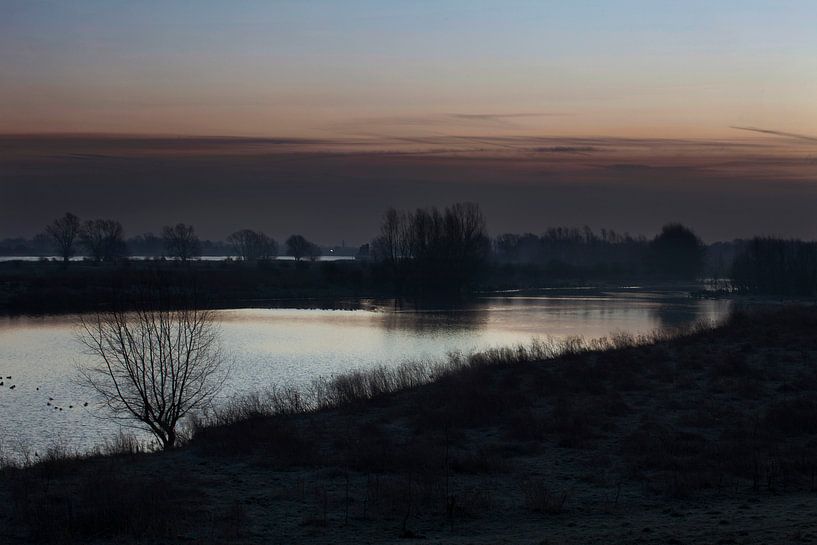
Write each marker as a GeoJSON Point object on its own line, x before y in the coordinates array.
{"type": "Point", "coordinates": [51, 287]}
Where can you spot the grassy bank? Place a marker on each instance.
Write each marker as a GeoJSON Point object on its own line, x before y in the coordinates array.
{"type": "Point", "coordinates": [708, 436]}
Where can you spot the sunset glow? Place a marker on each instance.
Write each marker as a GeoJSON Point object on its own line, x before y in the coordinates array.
{"type": "Point", "coordinates": [690, 97]}
{"type": "Point", "coordinates": [351, 69]}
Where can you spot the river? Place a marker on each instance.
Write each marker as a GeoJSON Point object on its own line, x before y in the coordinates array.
{"type": "Point", "coordinates": [294, 345]}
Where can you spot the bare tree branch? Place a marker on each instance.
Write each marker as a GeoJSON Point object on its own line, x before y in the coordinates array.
{"type": "Point", "coordinates": [154, 364]}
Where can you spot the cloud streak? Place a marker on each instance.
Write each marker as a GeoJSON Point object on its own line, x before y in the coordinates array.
{"type": "Point", "coordinates": [334, 188]}
{"type": "Point", "coordinates": [509, 116]}
{"type": "Point", "coordinates": [449, 120]}
{"type": "Point", "coordinates": [776, 133]}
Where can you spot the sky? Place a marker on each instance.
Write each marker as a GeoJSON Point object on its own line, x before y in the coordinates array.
{"type": "Point", "coordinates": [505, 101]}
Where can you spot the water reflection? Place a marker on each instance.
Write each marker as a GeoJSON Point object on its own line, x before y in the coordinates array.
{"type": "Point", "coordinates": [295, 344]}
{"type": "Point", "coordinates": [420, 318]}
{"type": "Point", "coordinates": [672, 314]}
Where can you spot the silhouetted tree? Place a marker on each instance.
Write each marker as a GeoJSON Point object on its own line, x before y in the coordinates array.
{"type": "Point", "coordinates": [299, 247]}
{"type": "Point", "coordinates": [575, 251]}
{"type": "Point", "coordinates": [104, 239]}
{"type": "Point", "coordinates": [677, 252]}
{"type": "Point", "coordinates": [465, 234]}
{"type": "Point", "coordinates": [363, 252]}
{"type": "Point", "coordinates": [64, 232]}
{"type": "Point", "coordinates": [392, 244]}
{"type": "Point", "coordinates": [252, 245]}
{"type": "Point", "coordinates": [776, 266]}
{"type": "Point", "coordinates": [181, 242]}
{"type": "Point", "coordinates": [156, 362]}
{"type": "Point", "coordinates": [428, 249]}
{"type": "Point", "coordinates": [147, 244]}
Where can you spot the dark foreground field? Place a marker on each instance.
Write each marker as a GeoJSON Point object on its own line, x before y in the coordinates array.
{"type": "Point", "coordinates": [709, 437]}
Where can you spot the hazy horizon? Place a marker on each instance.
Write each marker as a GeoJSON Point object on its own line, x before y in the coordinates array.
{"type": "Point", "coordinates": [632, 68]}
{"type": "Point", "coordinates": [334, 190]}
{"type": "Point", "coordinates": [313, 117]}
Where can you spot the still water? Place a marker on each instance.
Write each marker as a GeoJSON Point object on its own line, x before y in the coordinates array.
{"type": "Point", "coordinates": [294, 345]}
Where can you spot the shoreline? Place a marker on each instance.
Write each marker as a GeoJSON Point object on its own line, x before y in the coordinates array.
{"type": "Point", "coordinates": [36, 288]}
{"type": "Point", "coordinates": [648, 441]}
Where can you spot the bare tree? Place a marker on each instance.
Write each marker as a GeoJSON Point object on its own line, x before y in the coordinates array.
{"type": "Point", "coordinates": [155, 364]}
{"type": "Point", "coordinates": [252, 245]}
{"type": "Point", "coordinates": [104, 239]}
{"type": "Point", "coordinates": [391, 244]}
{"type": "Point", "coordinates": [63, 232]}
{"type": "Point", "coordinates": [180, 241]}
{"type": "Point", "coordinates": [465, 233]}
{"type": "Point", "coordinates": [299, 248]}
{"type": "Point", "coordinates": [433, 249]}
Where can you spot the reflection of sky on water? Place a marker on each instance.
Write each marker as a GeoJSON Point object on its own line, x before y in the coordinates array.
{"type": "Point", "coordinates": [293, 345]}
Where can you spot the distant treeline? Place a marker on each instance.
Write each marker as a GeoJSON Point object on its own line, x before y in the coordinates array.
{"type": "Point", "coordinates": [429, 249]}
{"type": "Point", "coordinates": [449, 249]}
{"type": "Point", "coordinates": [147, 244]}
{"type": "Point", "coordinates": [572, 250]}
{"type": "Point", "coordinates": [104, 240]}
{"type": "Point", "coordinates": [776, 266]}
{"type": "Point", "coordinates": [762, 265]}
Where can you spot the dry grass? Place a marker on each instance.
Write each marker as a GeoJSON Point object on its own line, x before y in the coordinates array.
{"type": "Point", "coordinates": [523, 431]}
